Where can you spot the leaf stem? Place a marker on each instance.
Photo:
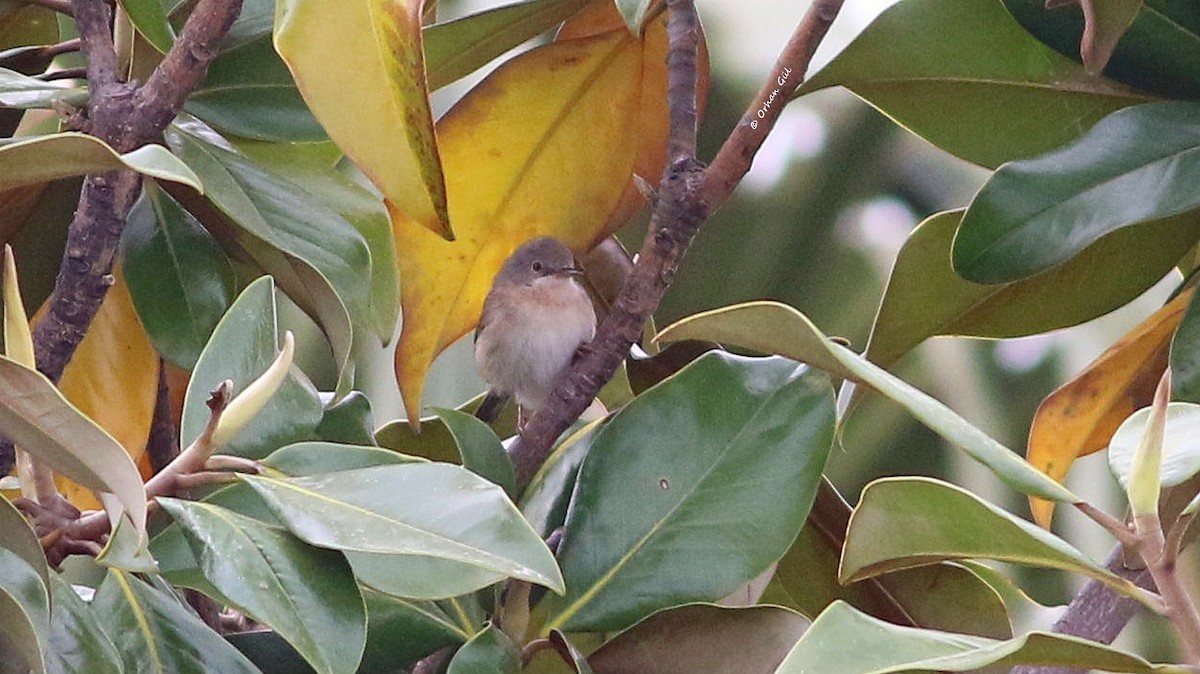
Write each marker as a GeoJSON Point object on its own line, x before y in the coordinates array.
{"type": "Point", "coordinates": [1180, 608]}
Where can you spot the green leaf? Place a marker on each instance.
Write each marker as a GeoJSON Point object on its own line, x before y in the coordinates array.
{"type": "Point", "coordinates": [1185, 355]}
{"type": "Point", "coordinates": [24, 608]}
{"type": "Point", "coordinates": [249, 91]}
{"type": "Point", "coordinates": [845, 641]}
{"type": "Point", "coordinates": [947, 69]}
{"type": "Point", "coordinates": [22, 24]}
{"type": "Point", "coordinates": [548, 495]}
{"type": "Point", "coordinates": [938, 596]}
{"type": "Point", "coordinates": [155, 634]}
{"type": "Point", "coordinates": [1154, 55]}
{"type": "Point", "coordinates": [1135, 165]}
{"type": "Point", "coordinates": [348, 421]}
{"type": "Point", "coordinates": [402, 510]}
{"type": "Point", "coordinates": [733, 438]}
{"type": "Point", "coordinates": [317, 258]}
{"type": "Point", "coordinates": [243, 345]}
{"type": "Point", "coordinates": [35, 416]}
{"type": "Point", "coordinates": [703, 638]}
{"type": "Point", "coordinates": [179, 278]}
{"type": "Point", "coordinates": [943, 522]}
{"type": "Point", "coordinates": [771, 327]}
{"type": "Point", "coordinates": [150, 19]}
{"type": "Point", "coordinates": [315, 168]}
{"type": "Point", "coordinates": [1107, 21]}
{"type": "Point", "coordinates": [21, 92]}
{"type": "Point", "coordinates": [1180, 444]}
{"type": "Point", "coordinates": [77, 644]}
{"type": "Point", "coordinates": [489, 652]}
{"type": "Point", "coordinates": [316, 458]}
{"type": "Point", "coordinates": [399, 632]}
{"type": "Point", "coordinates": [126, 550]}
{"type": "Point", "coordinates": [40, 159]}
{"type": "Point", "coordinates": [926, 298]}
{"type": "Point", "coordinates": [480, 449]}
{"type": "Point", "coordinates": [17, 537]}
{"type": "Point", "coordinates": [305, 594]}
{"type": "Point", "coordinates": [455, 49]}
{"type": "Point", "coordinates": [566, 649]}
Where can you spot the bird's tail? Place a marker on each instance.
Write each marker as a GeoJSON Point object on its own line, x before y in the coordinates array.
{"type": "Point", "coordinates": [489, 409]}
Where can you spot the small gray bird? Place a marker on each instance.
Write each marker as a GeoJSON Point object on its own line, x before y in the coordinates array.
{"type": "Point", "coordinates": [534, 318]}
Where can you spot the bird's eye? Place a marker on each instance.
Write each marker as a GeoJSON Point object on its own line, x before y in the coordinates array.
{"type": "Point", "coordinates": [536, 266]}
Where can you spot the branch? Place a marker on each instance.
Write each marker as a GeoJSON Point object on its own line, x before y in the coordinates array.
{"type": "Point", "coordinates": [125, 118]}
{"type": "Point", "coordinates": [1097, 613]}
{"type": "Point", "coordinates": [687, 195]}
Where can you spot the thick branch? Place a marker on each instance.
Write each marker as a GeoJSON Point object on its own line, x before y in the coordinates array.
{"type": "Point", "coordinates": [687, 195]}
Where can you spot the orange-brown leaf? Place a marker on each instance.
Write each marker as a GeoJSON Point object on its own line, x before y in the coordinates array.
{"type": "Point", "coordinates": [1080, 417]}
{"type": "Point", "coordinates": [113, 378]}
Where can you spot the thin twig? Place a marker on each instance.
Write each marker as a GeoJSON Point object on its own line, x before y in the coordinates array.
{"type": "Point", "coordinates": [1116, 527]}
{"type": "Point", "coordinates": [1180, 609]}
{"type": "Point", "coordinates": [686, 196]}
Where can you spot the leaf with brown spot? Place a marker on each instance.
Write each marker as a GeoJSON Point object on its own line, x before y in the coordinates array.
{"type": "Point", "coordinates": [1080, 417]}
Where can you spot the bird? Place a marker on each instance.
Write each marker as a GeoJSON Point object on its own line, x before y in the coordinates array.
{"type": "Point", "coordinates": [535, 317]}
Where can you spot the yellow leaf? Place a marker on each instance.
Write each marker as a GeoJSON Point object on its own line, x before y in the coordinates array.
{"type": "Point", "coordinates": [1080, 417]}
{"type": "Point", "coordinates": [541, 147]}
{"type": "Point", "coordinates": [361, 69]}
{"type": "Point", "coordinates": [652, 126]}
{"type": "Point", "coordinates": [113, 378]}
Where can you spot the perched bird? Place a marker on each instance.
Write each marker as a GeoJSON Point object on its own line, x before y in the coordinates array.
{"type": "Point", "coordinates": [534, 318]}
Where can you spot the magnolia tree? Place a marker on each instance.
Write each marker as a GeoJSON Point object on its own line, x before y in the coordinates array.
{"type": "Point", "coordinates": [226, 165]}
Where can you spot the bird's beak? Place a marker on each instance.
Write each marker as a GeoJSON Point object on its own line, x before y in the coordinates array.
{"type": "Point", "coordinates": [569, 271]}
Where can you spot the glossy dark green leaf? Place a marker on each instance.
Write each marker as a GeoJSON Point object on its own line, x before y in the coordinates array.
{"type": "Point", "coordinates": [772, 327]}
{"type": "Point", "coordinates": [77, 643]}
{"type": "Point", "coordinates": [316, 168]}
{"type": "Point", "coordinates": [150, 19]}
{"type": "Point", "coordinates": [489, 652]}
{"type": "Point", "coordinates": [845, 641]}
{"type": "Point", "coordinates": [256, 19]}
{"type": "Point", "coordinates": [248, 91]}
{"type": "Point", "coordinates": [179, 278]}
{"type": "Point", "coordinates": [947, 69]}
{"type": "Point", "coordinates": [21, 92]}
{"type": "Point", "coordinates": [404, 510]}
{"type": "Point", "coordinates": [24, 608]}
{"type": "Point", "coordinates": [1156, 53]}
{"type": "Point", "coordinates": [1185, 355]}
{"type": "Point", "coordinates": [480, 449]}
{"type": "Point", "coordinates": [400, 632]}
{"type": "Point", "coordinates": [243, 345]}
{"type": "Point", "coordinates": [943, 522]}
{"type": "Point", "coordinates": [37, 418]}
{"type": "Point", "coordinates": [17, 537]}
{"type": "Point", "coordinates": [703, 638]}
{"type": "Point", "coordinates": [305, 594]}
{"type": "Point", "coordinates": [316, 257]}
{"type": "Point", "coordinates": [545, 500]}
{"type": "Point", "coordinates": [348, 421]}
{"type": "Point", "coordinates": [925, 298]}
{"type": "Point", "coordinates": [1137, 164]}
{"type": "Point", "coordinates": [270, 652]}
{"type": "Point", "coordinates": [735, 441]}
{"type": "Point", "coordinates": [155, 634]}
{"type": "Point", "coordinates": [457, 48]}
